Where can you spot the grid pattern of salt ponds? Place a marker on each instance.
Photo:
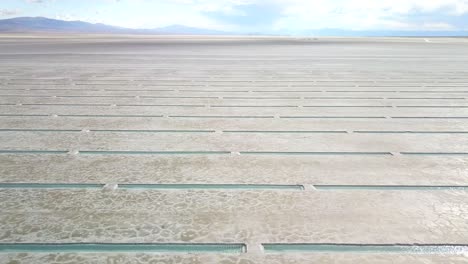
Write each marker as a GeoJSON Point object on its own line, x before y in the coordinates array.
{"type": "Point", "coordinates": [233, 150]}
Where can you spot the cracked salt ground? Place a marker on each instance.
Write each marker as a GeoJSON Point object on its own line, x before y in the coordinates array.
{"type": "Point", "coordinates": [231, 216]}
{"type": "Point", "coordinates": [234, 150]}
{"type": "Point", "coordinates": [188, 235]}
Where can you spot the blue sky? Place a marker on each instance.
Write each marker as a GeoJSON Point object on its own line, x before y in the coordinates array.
{"type": "Point", "coordinates": [266, 16]}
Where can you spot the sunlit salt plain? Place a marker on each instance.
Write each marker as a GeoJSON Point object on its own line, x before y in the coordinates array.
{"type": "Point", "coordinates": [177, 149]}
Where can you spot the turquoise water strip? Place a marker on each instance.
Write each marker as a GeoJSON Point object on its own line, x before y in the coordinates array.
{"type": "Point", "coordinates": [311, 153]}
{"type": "Point", "coordinates": [369, 248]}
{"type": "Point", "coordinates": [151, 131]}
{"type": "Point", "coordinates": [50, 186]}
{"type": "Point", "coordinates": [152, 186]}
{"type": "Point", "coordinates": [435, 153]}
{"type": "Point", "coordinates": [286, 131]}
{"type": "Point", "coordinates": [122, 247]}
{"type": "Point", "coordinates": [6, 151]}
{"type": "Point", "coordinates": [390, 187]}
{"type": "Point", "coordinates": [214, 186]}
{"type": "Point", "coordinates": [116, 152]}
{"type": "Point", "coordinates": [38, 130]}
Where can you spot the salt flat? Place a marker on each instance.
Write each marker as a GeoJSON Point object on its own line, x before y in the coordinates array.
{"type": "Point", "coordinates": [180, 149]}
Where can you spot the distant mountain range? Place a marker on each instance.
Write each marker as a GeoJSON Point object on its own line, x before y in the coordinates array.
{"type": "Point", "coordinates": [48, 25]}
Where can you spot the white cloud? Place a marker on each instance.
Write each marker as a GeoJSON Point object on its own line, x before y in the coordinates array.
{"type": "Point", "coordinates": [437, 26]}
{"type": "Point", "coordinates": [349, 14]}
{"type": "Point", "coordinates": [365, 14]}
{"type": "Point", "coordinates": [286, 16]}
{"type": "Point", "coordinates": [8, 12]}
{"type": "Point", "coordinates": [67, 17]}
{"type": "Point", "coordinates": [400, 6]}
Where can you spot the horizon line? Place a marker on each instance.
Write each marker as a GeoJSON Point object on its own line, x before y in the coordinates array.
{"type": "Point", "coordinates": [318, 32]}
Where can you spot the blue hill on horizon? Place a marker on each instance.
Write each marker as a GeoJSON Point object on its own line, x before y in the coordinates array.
{"type": "Point", "coordinates": [48, 25]}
